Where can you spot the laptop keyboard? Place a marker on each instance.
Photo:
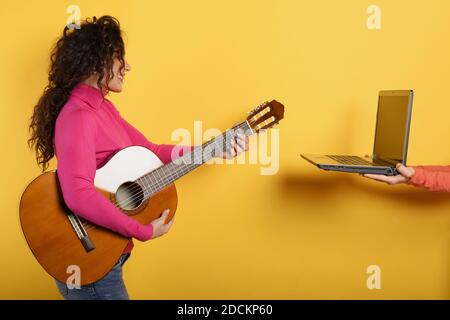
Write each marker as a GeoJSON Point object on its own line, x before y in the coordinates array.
{"type": "Point", "coordinates": [351, 160]}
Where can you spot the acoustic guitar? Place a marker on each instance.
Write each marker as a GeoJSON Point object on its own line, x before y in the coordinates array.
{"type": "Point", "coordinates": [136, 181]}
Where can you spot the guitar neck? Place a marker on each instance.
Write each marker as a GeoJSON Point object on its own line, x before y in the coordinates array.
{"type": "Point", "coordinates": [158, 179]}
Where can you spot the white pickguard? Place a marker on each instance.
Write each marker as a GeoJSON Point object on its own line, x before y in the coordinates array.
{"type": "Point", "coordinates": [126, 165]}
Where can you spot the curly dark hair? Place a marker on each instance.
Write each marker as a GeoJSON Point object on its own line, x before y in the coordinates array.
{"type": "Point", "coordinates": [77, 54]}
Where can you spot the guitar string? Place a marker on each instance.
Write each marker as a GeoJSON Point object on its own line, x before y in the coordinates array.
{"type": "Point", "coordinates": [183, 169]}
{"type": "Point", "coordinates": [154, 184]}
{"type": "Point", "coordinates": [151, 189]}
{"type": "Point", "coordinates": [248, 124]}
{"type": "Point", "coordinates": [159, 184]}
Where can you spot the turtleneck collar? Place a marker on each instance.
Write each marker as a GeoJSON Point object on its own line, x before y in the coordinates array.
{"type": "Point", "coordinates": [92, 96]}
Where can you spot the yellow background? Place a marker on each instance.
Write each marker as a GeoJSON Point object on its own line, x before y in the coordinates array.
{"type": "Point", "coordinates": [302, 233]}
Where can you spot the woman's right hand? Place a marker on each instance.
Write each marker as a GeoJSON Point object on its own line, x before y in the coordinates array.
{"type": "Point", "coordinates": [159, 226]}
{"type": "Point", "coordinates": [405, 174]}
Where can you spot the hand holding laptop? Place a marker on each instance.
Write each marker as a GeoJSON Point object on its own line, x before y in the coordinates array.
{"type": "Point", "coordinates": [405, 174]}
{"type": "Point", "coordinates": [390, 145]}
{"type": "Point", "coordinates": [388, 161]}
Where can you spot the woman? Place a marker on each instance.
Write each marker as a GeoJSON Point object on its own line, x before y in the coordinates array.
{"type": "Point", "coordinates": [74, 121]}
{"type": "Point", "coordinates": [434, 178]}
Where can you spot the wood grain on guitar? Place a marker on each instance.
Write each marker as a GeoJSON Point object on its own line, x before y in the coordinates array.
{"type": "Point", "coordinates": [136, 181]}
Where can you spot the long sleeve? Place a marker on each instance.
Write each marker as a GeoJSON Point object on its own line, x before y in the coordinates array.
{"type": "Point", "coordinates": [434, 178]}
{"type": "Point", "coordinates": [163, 151]}
{"type": "Point", "coordinates": [75, 149]}
{"type": "Point", "coordinates": [435, 168]}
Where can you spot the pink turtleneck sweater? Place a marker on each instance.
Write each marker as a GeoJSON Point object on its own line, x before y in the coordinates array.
{"type": "Point", "coordinates": [434, 178]}
{"type": "Point", "coordinates": [89, 131]}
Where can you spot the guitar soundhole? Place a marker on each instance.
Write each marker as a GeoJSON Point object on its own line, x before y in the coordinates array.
{"type": "Point", "coordinates": [129, 195]}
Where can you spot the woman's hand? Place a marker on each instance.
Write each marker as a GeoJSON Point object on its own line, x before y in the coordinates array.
{"type": "Point", "coordinates": [238, 145]}
{"type": "Point", "coordinates": [160, 227]}
{"type": "Point", "coordinates": [405, 174]}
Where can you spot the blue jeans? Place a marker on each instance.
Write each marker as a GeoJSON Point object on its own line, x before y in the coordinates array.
{"type": "Point", "coordinates": [110, 287]}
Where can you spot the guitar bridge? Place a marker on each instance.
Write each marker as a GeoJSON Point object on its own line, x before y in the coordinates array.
{"type": "Point", "coordinates": [81, 232]}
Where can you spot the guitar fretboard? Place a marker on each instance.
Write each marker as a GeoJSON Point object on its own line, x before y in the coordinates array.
{"type": "Point", "coordinates": [159, 178]}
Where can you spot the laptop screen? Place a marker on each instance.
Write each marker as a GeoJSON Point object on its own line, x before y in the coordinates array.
{"type": "Point", "coordinates": [392, 128]}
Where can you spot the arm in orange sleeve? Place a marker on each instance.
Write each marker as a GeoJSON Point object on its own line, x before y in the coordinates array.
{"type": "Point", "coordinates": [434, 178]}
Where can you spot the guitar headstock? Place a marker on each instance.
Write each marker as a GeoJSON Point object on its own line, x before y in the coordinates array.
{"type": "Point", "coordinates": [265, 115]}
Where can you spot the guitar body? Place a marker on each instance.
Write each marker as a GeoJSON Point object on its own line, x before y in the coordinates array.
{"type": "Point", "coordinates": [52, 238]}
{"type": "Point", "coordinates": [137, 182]}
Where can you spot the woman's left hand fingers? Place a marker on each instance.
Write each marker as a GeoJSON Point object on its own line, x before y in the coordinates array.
{"type": "Point", "coordinates": [237, 146]}
{"type": "Point", "coordinates": [231, 152]}
{"type": "Point", "coordinates": [242, 141]}
{"type": "Point", "coordinates": [242, 144]}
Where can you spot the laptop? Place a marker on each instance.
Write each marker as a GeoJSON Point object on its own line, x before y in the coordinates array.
{"type": "Point", "coordinates": [391, 139]}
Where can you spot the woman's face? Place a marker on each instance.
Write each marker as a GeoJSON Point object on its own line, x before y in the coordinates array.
{"type": "Point", "coordinates": [116, 82]}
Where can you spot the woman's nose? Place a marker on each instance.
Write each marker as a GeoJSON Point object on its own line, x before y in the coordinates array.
{"type": "Point", "coordinates": [127, 66]}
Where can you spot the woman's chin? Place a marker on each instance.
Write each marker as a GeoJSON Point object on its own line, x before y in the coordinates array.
{"type": "Point", "coordinates": [116, 87]}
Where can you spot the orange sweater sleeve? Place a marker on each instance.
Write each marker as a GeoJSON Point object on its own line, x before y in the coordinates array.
{"type": "Point", "coordinates": [434, 178]}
